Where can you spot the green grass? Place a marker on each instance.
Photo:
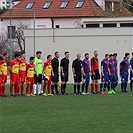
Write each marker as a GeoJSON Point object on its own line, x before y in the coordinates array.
{"type": "Point", "coordinates": [67, 114]}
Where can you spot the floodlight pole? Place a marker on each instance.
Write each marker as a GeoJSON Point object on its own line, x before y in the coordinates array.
{"type": "Point", "coordinates": [10, 34]}
{"type": "Point", "coordinates": [34, 33]}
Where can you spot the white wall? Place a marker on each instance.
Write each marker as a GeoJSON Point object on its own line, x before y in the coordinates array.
{"type": "Point", "coordinates": [105, 40]}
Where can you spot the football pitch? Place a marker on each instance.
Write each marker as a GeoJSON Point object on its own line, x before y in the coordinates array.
{"type": "Point", "coordinates": [68, 114]}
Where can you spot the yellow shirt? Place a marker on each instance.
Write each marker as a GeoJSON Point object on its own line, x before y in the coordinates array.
{"type": "Point", "coordinates": [22, 64]}
{"type": "Point", "coordinates": [30, 70]}
{"type": "Point", "coordinates": [14, 64]}
{"type": "Point", "coordinates": [3, 67]}
{"type": "Point", "coordinates": [47, 68]}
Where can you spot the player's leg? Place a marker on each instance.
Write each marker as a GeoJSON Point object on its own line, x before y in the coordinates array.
{"type": "Point", "coordinates": [131, 85]}
{"type": "Point", "coordinates": [4, 80]}
{"type": "Point", "coordinates": [92, 84]}
{"type": "Point", "coordinates": [31, 86]}
{"type": "Point", "coordinates": [101, 85]}
{"type": "Point", "coordinates": [17, 85]}
{"type": "Point", "coordinates": [79, 79]}
{"type": "Point", "coordinates": [35, 84]}
{"type": "Point", "coordinates": [87, 83]}
{"type": "Point", "coordinates": [11, 86]}
{"type": "Point", "coordinates": [44, 88]}
{"type": "Point", "coordinates": [0, 86]}
{"type": "Point", "coordinates": [56, 83]}
{"type": "Point", "coordinates": [39, 84]}
{"type": "Point", "coordinates": [126, 80]}
{"type": "Point", "coordinates": [28, 86]}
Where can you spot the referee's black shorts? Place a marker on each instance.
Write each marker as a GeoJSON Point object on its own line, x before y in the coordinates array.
{"type": "Point", "coordinates": [37, 79]}
{"type": "Point", "coordinates": [65, 78]}
{"type": "Point", "coordinates": [55, 78]}
{"type": "Point", "coordinates": [78, 77]}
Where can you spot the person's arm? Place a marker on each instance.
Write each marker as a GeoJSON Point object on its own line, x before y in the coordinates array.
{"type": "Point", "coordinates": [92, 67]}
{"type": "Point", "coordinates": [10, 67]}
{"type": "Point", "coordinates": [73, 68]}
{"type": "Point", "coordinates": [61, 68]}
{"type": "Point", "coordinates": [109, 70]}
{"type": "Point", "coordinates": [102, 68]}
{"type": "Point", "coordinates": [44, 67]}
{"type": "Point", "coordinates": [83, 68]}
{"type": "Point", "coordinates": [52, 68]}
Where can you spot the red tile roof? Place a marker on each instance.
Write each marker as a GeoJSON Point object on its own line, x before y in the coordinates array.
{"type": "Point", "coordinates": [89, 9]}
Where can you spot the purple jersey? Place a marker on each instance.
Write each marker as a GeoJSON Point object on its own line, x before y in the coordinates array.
{"type": "Point", "coordinates": [105, 64]}
{"type": "Point", "coordinates": [131, 63]}
{"type": "Point", "coordinates": [115, 64]}
{"type": "Point", "coordinates": [112, 67]}
{"type": "Point", "coordinates": [124, 65]}
{"type": "Point", "coordinates": [86, 65]}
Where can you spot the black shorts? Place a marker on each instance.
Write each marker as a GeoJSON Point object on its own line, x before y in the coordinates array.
{"type": "Point", "coordinates": [65, 78]}
{"type": "Point", "coordinates": [96, 76]}
{"type": "Point", "coordinates": [38, 79]}
{"type": "Point", "coordinates": [55, 78]}
{"type": "Point", "coordinates": [78, 78]}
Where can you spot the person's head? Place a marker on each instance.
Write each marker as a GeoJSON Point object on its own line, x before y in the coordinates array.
{"type": "Point", "coordinates": [127, 56]}
{"type": "Point", "coordinates": [106, 56]}
{"type": "Point", "coordinates": [17, 56]}
{"type": "Point", "coordinates": [111, 56]}
{"type": "Point", "coordinates": [115, 55]}
{"type": "Point", "coordinates": [67, 54]}
{"type": "Point", "coordinates": [132, 53]}
{"type": "Point", "coordinates": [49, 57]}
{"type": "Point", "coordinates": [32, 59]}
{"type": "Point", "coordinates": [38, 54]}
{"type": "Point", "coordinates": [87, 56]}
{"type": "Point", "coordinates": [78, 56]}
{"type": "Point", "coordinates": [5, 55]}
{"type": "Point", "coordinates": [57, 54]}
{"type": "Point", "coordinates": [23, 54]}
{"type": "Point", "coordinates": [96, 53]}
{"type": "Point", "coordinates": [1, 58]}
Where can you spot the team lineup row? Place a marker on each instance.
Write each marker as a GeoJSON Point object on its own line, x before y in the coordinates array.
{"type": "Point", "coordinates": [36, 71]}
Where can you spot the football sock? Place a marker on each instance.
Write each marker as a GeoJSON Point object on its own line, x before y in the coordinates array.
{"type": "Point", "coordinates": [44, 88]}
{"type": "Point", "coordinates": [0, 90]}
{"type": "Point", "coordinates": [78, 87]}
{"type": "Point", "coordinates": [86, 86]}
{"type": "Point", "coordinates": [96, 86]}
{"type": "Point", "coordinates": [22, 89]}
{"type": "Point", "coordinates": [48, 88]}
{"type": "Point", "coordinates": [125, 86]}
{"type": "Point", "coordinates": [74, 88]}
{"type": "Point", "coordinates": [83, 85]}
{"type": "Point", "coordinates": [31, 89]}
{"type": "Point", "coordinates": [64, 88]}
{"type": "Point", "coordinates": [108, 86]}
{"type": "Point", "coordinates": [3, 90]}
{"type": "Point", "coordinates": [92, 88]}
{"type": "Point", "coordinates": [27, 89]}
{"type": "Point", "coordinates": [11, 89]}
{"type": "Point", "coordinates": [105, 86]}
{"type": "Point", "coordinates": [112, 86]}
{"type": "Point", "coordinates": [122, 86]}
{"type": "Point", "coordinates": [34, 88]}
{"type": "Point", "coordinates": [56, 88]}
{"type": "Point", "coordinates": [39, 88]}
{"type": "Point", "coordinates": [131, 84]}
{"type": "Point", "coordinates": [52, 88]}
{"type": "Point", "coordinates": [101, 86]}
{"type": "Point", "coordinates": [115, 86]}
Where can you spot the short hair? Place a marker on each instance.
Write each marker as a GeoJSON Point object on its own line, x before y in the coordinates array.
{"type": "Point", "coordinates": [32, 58]}
{"type": "Point", "coordinates": [23, 52]}
{"type": "Point", "coordinates": [17, 55]}
{"type": "Point", "coordinates": [106, 55]}
{"type": "Point", "coordinates": [4, 54]}
{"type": "Point", "coordinates": [110, 55]}
{"type": "Point", "coordinates": [132, 53]}
{"type": "Point", "coordinates": [95, 51]}
{"type": "Point", "coordinates": [49, 56]}
{"type": "Point", "coordinates": [115, 54]}
{"type": "Point", "coordinates": [1, 58]}
{"type": "Point", "coordinates": [39, 52]}
{"type": "Point", "coordinates": [86, 54]}
{"type": "Point", "coordinates": [56, 53]}
{"type": "Point", "coordinates": [66, 52]}
{"type": "Point", "coordinates": [126, 54]}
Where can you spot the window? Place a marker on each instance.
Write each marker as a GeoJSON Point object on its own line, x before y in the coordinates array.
{"type": "Point", "coordinates": [47, 5]}
{"type": "Point", "coordinates": [110, 25]}
{"type": "Point", "coordinates": [92, 25]}
{"type": "Point", "coordinates": [57, 26]}
{"type": "Point", "coordinates": [30, 5]}
{"type": "Point", "coordinates": [126, 25]}
{"type": "Point", "coordinates": [7, 2]}
{"type": "Point", "coordinates": [117, 6]}
{"type": "Point", "coordinates": [3, 2]}
{"type": "Point", "coordinates": [79, 4]}
{"type": "Point", "coordinates": [13, 31]}
{"type": "Point", "coordinates": [108, 6]}
{"type": "Point", "coordinates": [64, 4]}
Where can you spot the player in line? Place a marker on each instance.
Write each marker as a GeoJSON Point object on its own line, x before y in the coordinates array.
{"type": "Point", "coordinates": [95, 73]}
{"type": "Point", "coordinates": [86, 77]}
{"type": "Point", "coordinates": [22, 71]}
{"type": "Point", "coordinates": [78, 71]}
{"type": "Point", "coordinates": [47, 72]}
{"type": "Point", "coordinates": [3, 69]}
{"type": "Point", "coordinates": [131, 74]}
{"type": "Point", "coordinates": [38, 76]}
{"type": "Point", "coordinates": [14, 76]}
{"type": "Point", "coordinates": [124, 66]}
{"type": "Point", "coordinates": [30, 68]}
{"type": "Point", "coordinates": [64, 71]}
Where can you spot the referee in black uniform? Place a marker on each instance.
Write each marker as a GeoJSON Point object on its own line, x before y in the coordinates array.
{"type": "Point", "coordinates": [77, 69]}
{"type": "Point", "coordinates": [64, 69]}
{"type": "Point", "coordinates": [55, 73]}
